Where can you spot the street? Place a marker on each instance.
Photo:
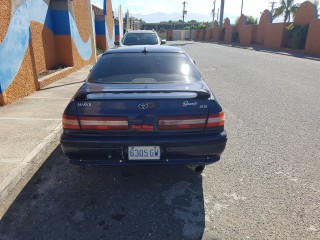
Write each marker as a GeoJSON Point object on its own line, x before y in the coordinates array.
{"type": "Point", "coordinates": [266, 185]}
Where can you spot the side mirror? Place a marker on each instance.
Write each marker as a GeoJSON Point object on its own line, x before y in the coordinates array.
{"type": "Point", "coordinates": [117, 44]}
{"type": "Point", "coordinates": [163, 41]}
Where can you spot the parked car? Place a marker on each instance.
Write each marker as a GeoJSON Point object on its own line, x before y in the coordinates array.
{"type": "Point", "coordinates": [144, 105]}
{"type": "Point", "coordinates": [141, 37]}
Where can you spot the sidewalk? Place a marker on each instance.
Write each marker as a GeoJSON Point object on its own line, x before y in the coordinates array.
{"type": "Point", "coordinates": [30, 131]}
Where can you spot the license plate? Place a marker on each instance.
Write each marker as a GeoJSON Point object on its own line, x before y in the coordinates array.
{"type": "Point", "coordinates": [144, 153]}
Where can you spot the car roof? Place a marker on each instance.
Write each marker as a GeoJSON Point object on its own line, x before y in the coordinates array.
{"type": "Point", "coordinates": [143, 48]}
{"type": "Point", "coordinates": [140, 31]}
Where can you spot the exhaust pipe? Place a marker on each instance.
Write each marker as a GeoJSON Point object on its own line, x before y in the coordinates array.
{"type": "Point", "coordinates": [196, 168]}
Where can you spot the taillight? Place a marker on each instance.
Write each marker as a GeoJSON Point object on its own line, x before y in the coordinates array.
{"type": "Point", "coordinates": [182, 122]}
{"type": "Point", "coordinates": [104, 123]}
{"type": "Point", "coordinates": [70, 122]}
{"type": "Point", "coordinates": [216, 119]}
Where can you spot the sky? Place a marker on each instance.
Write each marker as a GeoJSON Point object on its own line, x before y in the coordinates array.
{"type": "Point", "coordinates": [232, 8]}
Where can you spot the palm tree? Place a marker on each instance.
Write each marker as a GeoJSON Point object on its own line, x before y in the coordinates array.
{"type": "Point", "coordinates": [317, 4]}
{"type": "Point", "coordinates": [287, 7]}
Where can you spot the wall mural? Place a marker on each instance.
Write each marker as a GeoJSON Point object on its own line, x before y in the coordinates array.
{"type": "Point", "coordinates": [110, 31]}
{"type": "Point", "coordinates": [16, 41]}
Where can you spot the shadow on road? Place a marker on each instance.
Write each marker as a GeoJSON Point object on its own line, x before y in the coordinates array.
{"type": "Point", "coordinates": [259, 48]}
{"type": "Point", "coordinates": [63, 201]}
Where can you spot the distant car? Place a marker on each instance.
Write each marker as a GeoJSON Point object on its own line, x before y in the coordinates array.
{"type": "Point", "coordinates": [144, 105]}
{"type": "Point", "coordinates": [141, 37]}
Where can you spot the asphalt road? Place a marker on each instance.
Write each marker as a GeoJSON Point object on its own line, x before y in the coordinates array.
{"type": "Point", "coordinates": [266, 186]}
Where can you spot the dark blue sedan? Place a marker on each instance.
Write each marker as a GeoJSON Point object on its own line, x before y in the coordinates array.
{"type": "Point", "coordinates": [144, 105]}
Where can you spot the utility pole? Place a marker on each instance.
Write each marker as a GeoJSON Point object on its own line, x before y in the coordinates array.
{"type": "Point", "coordinates": [218, 13]}
{"type": "Point", "coordinates": [272, 4]}
{"type": "Point", "coordinates": [184, 12]}
{"type": "Point", "coordinates": [221, 12]}
{"type": "Point", "coordinates": [241, 7]}
{"type": "Point", "coordinates": [213, 12]}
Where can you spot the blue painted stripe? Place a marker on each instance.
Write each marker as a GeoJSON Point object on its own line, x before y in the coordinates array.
{"type": "Point", "coordinates": [84, 48]}
{"type": "Point", "coordinates": [60, 22]}
{"type": "Point", "coordinates": [116, 29]}
{"type": "Point", "coordinates": [104, 7]}
{"type": "Point", "coordinates": [15, 44]}
{"type": "Point", "coordinates": [100, 27]}
{"type": "Point", "coordinates": [110, 40]}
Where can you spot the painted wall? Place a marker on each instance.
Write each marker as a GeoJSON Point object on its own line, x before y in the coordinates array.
{"type": "Point", "coordinates": [267, 34]}
{"type": "Point", "coordinates": [105, 28]}
{"type": "Point", "coordinates": [36, 36]}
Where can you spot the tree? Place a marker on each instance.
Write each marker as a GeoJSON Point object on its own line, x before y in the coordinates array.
{"type": "Point", "coordinates": [202, 26]}
{"type": "Point", "coordinates": [193, 22]}
{"type": "Point", "coordinates": [141, 21]}
{"type": "Point", "coordinates": [250, 20]}
{"type": "Point", "coordinates": [286, 9]}
{"type": "Point", "coordinates": [317, 4]}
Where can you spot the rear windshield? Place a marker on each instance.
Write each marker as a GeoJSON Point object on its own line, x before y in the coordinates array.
{"type": "Point", "coordinates": [144, 68]}
{"type": "Point", "coordinates": [140, 39]}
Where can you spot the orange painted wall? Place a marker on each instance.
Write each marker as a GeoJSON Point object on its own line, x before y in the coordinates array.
{"type": "Point", "coordinates": [216, 34]}
{"type": "Point", "coordinates": [207, 34]}
{"type": "Point", "coordinates": [211, 34]}
{"type": "Point", "coordinates": [305, 14]}
{"type": "Point", "coordinates": [245, 34]}
{"type": "Point", "coordinates": [313, 40]}
{"type": "Point", "coordinates": [274, 35]}
{"type": "Point", "coordinates": [228, 35]}
{"type": "Point", "coordinates": [101, 42]}
{"type": "Point", "coordinates": [254, 34]}
{"type": "Point", "coordinates": [64, 50]}
{"type": "Point", "coordinates": [109, 20]}
{"type": "Point", "coordinates": [24, 83]}
{"type": "Point", "coordinates": [202, 34]}
{"type": "Point", "coordinates": [81, 15]}
{"type": "Point", "coordinates": [44, 48]}
{"type": "Point", "coordinates": [5, 16]}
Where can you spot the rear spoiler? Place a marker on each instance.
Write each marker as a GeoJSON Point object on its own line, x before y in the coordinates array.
{"type": "Point", "coordinates": [81, 95]}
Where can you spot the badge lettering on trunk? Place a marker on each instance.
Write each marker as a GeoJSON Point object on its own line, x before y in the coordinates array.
{"type": "Point", "coordinates": [84, 104]}
{"type": "Point", "coordinates": [187, 104]}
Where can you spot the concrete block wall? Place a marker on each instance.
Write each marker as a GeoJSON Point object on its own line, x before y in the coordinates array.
{"type": "Point", "coordinates": [37, 35]}
{"type": "Point", "coordinates": [53, 33]}
{"type": "Point", "coordinates": [267, 34]}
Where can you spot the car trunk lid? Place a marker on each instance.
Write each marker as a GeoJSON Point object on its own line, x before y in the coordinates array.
{"type": "Point", "coordinates": [143, 107]}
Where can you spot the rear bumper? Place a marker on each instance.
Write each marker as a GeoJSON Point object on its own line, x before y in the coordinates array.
{"type": "Point", "coordinates": [198, 149]}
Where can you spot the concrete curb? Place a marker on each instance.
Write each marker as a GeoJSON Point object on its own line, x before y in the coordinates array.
{"type": "Point", "coordinates": [13, 184]}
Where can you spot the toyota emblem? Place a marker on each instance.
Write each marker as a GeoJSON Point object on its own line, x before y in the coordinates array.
{"type": "Point", "coordinates": [143, 105]}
